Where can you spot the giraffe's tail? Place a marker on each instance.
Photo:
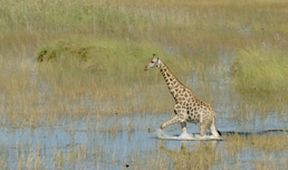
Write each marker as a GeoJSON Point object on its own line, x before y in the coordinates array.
{"type": "Point", "coordinates": [219, 132]}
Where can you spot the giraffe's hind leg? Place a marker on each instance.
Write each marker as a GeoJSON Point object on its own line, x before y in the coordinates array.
{"type": "Point", "coordinates": [205, 123]}
{"type": "Point", "coordinates": [203, 128]}
{"type": "Point", "coordinates": [213, 129]}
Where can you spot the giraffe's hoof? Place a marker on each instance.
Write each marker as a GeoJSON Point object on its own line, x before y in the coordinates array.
{"type": "Point", "coordinates": [185, 135]}
{"type": "Point", "coordinates": [201, 136]}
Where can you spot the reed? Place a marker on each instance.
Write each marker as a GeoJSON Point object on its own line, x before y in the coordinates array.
{"type": "Point", "coordinates": [96, 50]}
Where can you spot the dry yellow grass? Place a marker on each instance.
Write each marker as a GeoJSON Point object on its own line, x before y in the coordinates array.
{"type": "Point", "coordinates": [192, 37]}
{"type": "Point", "coordinates": [267, 143]}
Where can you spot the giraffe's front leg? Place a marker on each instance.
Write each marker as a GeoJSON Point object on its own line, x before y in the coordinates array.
{"type": "Point", "coordinates": [204, 124]}
{"type": "Point", "coordinates": [184, 133]}
{"type": "Point", "coordinates": [183, 127]}
{"type": "Point", "coordinates": [172, 121]}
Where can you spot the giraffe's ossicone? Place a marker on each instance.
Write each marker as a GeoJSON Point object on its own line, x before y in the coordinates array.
{"type": "Point", "coordinates": [188, 107]}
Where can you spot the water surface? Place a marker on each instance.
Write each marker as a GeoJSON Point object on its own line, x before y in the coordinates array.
{"type": "Point", "coordinates": [121, 142]}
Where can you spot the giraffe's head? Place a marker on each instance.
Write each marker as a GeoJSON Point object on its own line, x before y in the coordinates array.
{"type": "Point", "coordinates": [154, 62]}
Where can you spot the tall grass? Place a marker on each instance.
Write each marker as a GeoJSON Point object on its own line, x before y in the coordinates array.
{"type": "Point", "coordinates": [259, 74]}
{"type": "Point", "coordinates": [261, 69]}
{"type": "Point", "coordinates": [119, 38]}
{"type": "Point", "coordinates": [111, 73]}
{"type": "Point", "coordinates": [197, 28]}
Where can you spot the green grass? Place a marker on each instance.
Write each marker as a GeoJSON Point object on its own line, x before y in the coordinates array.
{"type": "Point", "coordinates": [107, 71]}
{"type": "Point", "coordinates": [259, 75]}
{"type": "Point", "coordinates": [195, 29]}
{"type": "Point", "coordinates": [261, 69]}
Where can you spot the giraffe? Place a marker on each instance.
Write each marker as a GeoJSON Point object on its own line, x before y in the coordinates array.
{"type": "Point", "coordinates": [188, 107]}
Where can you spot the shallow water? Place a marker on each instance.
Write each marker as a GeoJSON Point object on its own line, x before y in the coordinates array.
{"type": "Point", "coordinates": [121, 142]}
{"type": "Point", "coordinates": [117, 142]}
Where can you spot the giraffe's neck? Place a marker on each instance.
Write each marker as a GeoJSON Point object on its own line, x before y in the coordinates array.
{"type": "Point", "coordinates": [174, 85]}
